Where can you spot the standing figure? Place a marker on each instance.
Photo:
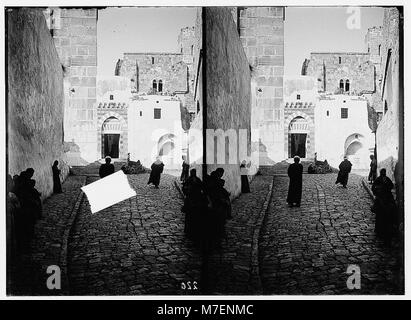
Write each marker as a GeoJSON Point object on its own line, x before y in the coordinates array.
{"type": "Point", "coordinates": [245, 185]}
{"type": "Point", "coordinates": [195, 207]}
{"type": "Point", "coordinates": [345, 169]}
{"type": "Point", "coordinates": [384, 207]}
{"type": "Point", "coordinates": [184, 172]}
{"type": "Point", "coordinates": [156, 170]}
{"type": "Point", "coordinates": [373, 169]}
{"type": "Point", "coordinates": [106, 168]}
{"type": "Point", "coordinates": [56, 178]}
{"type": "Point", "coordinates": [295, 172]}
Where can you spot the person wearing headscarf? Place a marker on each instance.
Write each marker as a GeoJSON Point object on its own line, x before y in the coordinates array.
{"type": "Point", "coordinates": [345, 169]}
{"type": "Point", "coordinates": [295, 173]}
{"type": "Point", "coordinates": [56, 178]}
{"type": "Point", "coordinates": [156, 169]}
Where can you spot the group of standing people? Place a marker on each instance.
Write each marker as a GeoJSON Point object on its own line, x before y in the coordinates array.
{"type": "Point", "coordinates": [207, 207]}
{"type": "Point", "coordinates": [384, 206]}
{"type": "Point", "coordinates": [24, 208]}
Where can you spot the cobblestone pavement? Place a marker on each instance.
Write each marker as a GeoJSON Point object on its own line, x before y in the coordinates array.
{"type": "Point", "coordinates": [28, 274]}
{"type": "Point", "coordinates": [307, 250]}
{"type": "Point", "coordinates": [230, 269]}
{"type": "Point", "coordinates": [134, 247]}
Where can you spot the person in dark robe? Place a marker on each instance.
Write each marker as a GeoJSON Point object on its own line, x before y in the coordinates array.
{"type": "Point", "coordinates": [156, 169]}
{"type": "Point", "coordinates": [195, 206]}
{"type": "Point", "coordinates": [12, 216]}
{"type": "Point", "coordinates": [184, 171]}
{"type": "Point", "coordinates": [295, 172]}
{"type": "Point", "coordinates": [30, 208]}
{"type": "Point", "coordinates": [384, 207]}
{"type": "Point", "coordinates": [56, 178]}
{"type": "Point", "coordinates": [106, 168]}
{"type": "Point", "coordinates": [345, 169]}
{"type": "Point", "coordinates": [373, 169]}
{"type": "Point", "coordinates": [219, 207]}
{"type": "Point", "coordinates": [245, 185]}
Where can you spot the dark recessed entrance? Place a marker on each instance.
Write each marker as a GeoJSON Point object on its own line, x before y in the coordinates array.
{"type": "Point", "coordinates": [298, 141]}
{"type": "Point", "coordinates": [111, 145]}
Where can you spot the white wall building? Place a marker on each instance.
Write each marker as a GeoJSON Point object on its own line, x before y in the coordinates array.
{"type": "Point", "coordinates": [146, 126]}
{"type": "Point", "coordinates": [154, 128]}
{"type": "Point", "coordinates": [341, 128]}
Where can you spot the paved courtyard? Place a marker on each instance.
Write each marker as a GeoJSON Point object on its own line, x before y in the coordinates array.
{"type": "Point", "coordinates": [307, 250]}
{"type": "Point", "coordinates": [138, 246]}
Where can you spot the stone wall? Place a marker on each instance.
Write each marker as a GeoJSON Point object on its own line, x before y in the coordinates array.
{"type": "Point", "coordinates": [329, 68]}
{"type": "Point", "coordinates": [261, 31]}
{"type": "Point", "coordinates": [228, 91]}
{"type": "Point", "coordinates": [35, 99]}
{"type": "Point", "coordinates": [76, 42]}
{"type": "Point", "coordinates": [389, 144]}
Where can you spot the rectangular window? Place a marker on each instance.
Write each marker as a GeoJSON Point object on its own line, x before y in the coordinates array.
{"type": "Point", "coordinates": [344, 113]}
{"type": "Point", "coordinates": [141, 113]}
{"type": "Point", "coordinates": [298, 97]}
{"type": "Point", "coordinates": [157, 113]}
{"type": "Point", "coordinates": [111, 97]}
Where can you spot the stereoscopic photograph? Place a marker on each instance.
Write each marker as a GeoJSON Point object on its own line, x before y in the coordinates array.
{"type": "Point", "coordinates": [204, 150]}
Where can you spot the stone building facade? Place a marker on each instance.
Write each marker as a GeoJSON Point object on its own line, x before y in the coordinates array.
{"type": "Point", "coordinates": [341, 72]}
{"type": "Point", "coordinates": [261, 31]}
{"type": "Point", "coordinates": [163, 73]}
{"type": "Point", "coordinates": [300, 99]}
{"type": "Point", "coordinates": [75, 37]}
{"type": "Point", "coordinates": [139, 126]}
{"type": "Point", "coordinates": [35, 98]}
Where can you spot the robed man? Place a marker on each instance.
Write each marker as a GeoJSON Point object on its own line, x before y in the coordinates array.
{"type": "Point", "coordinates": [156, 169]}
{"type": "Point", "coordinates": [295, 172]}
{"type": "Point", "coordinates": [345, 169]}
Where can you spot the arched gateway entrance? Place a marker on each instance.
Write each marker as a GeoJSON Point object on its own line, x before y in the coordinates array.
{"type": "Point", "coordinates": [111, 131]}
{"type": "Point", "coordinates": [298, 131]}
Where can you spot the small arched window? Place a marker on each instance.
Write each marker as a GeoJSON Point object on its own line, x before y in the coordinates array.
{"type": "Point", "coordinates": [152, 60]}
{"type": "Point", "coordinates": [379, 50]}
{"type": "Point", "coordinates": [339, 60]}
{"type": "Point", "coordinates": [160, 86]}
{"type": "Point", "coordinates": [328, 113]}
{"type": "Point", "coordinates": [347, 85]}
{"type": "Point", "coordinates": [385, 106]}
{"type": "Point", "coordinates": [198, 107]}
{"type": "Point", "coordinates": [154, 86]}
{"type": "Point", "coordinates": [341, 85]}
{"type": "Point", "coordinates": [192, 50]}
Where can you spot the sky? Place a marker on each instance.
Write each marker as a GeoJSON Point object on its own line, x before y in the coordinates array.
{"type": "Point", "coordinates": [122, 30]}
{"type": "Point", "coordinates": [306, 30]}
{"type": "Point", "coordinates": [310, 29]}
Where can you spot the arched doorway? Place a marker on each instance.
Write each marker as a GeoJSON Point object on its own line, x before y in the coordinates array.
{"type": "Point", "coordinates": [111, 131]}
{"type": "Point", "coordinates": [166, 148]}
{"type": "Point", "coordinates": [297, 137]}
{"type": "Point", "coordinates": [356, 152]}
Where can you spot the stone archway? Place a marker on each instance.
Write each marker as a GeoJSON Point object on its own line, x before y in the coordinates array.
{"type": "Point", "coordinates": [112, 134]}
{"type": "Point", "coordinates": [165, 146]}
{"type": "Point", "coordinates": [356, 151]}
{"type": "Point", "coordinates": [299, 135]}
